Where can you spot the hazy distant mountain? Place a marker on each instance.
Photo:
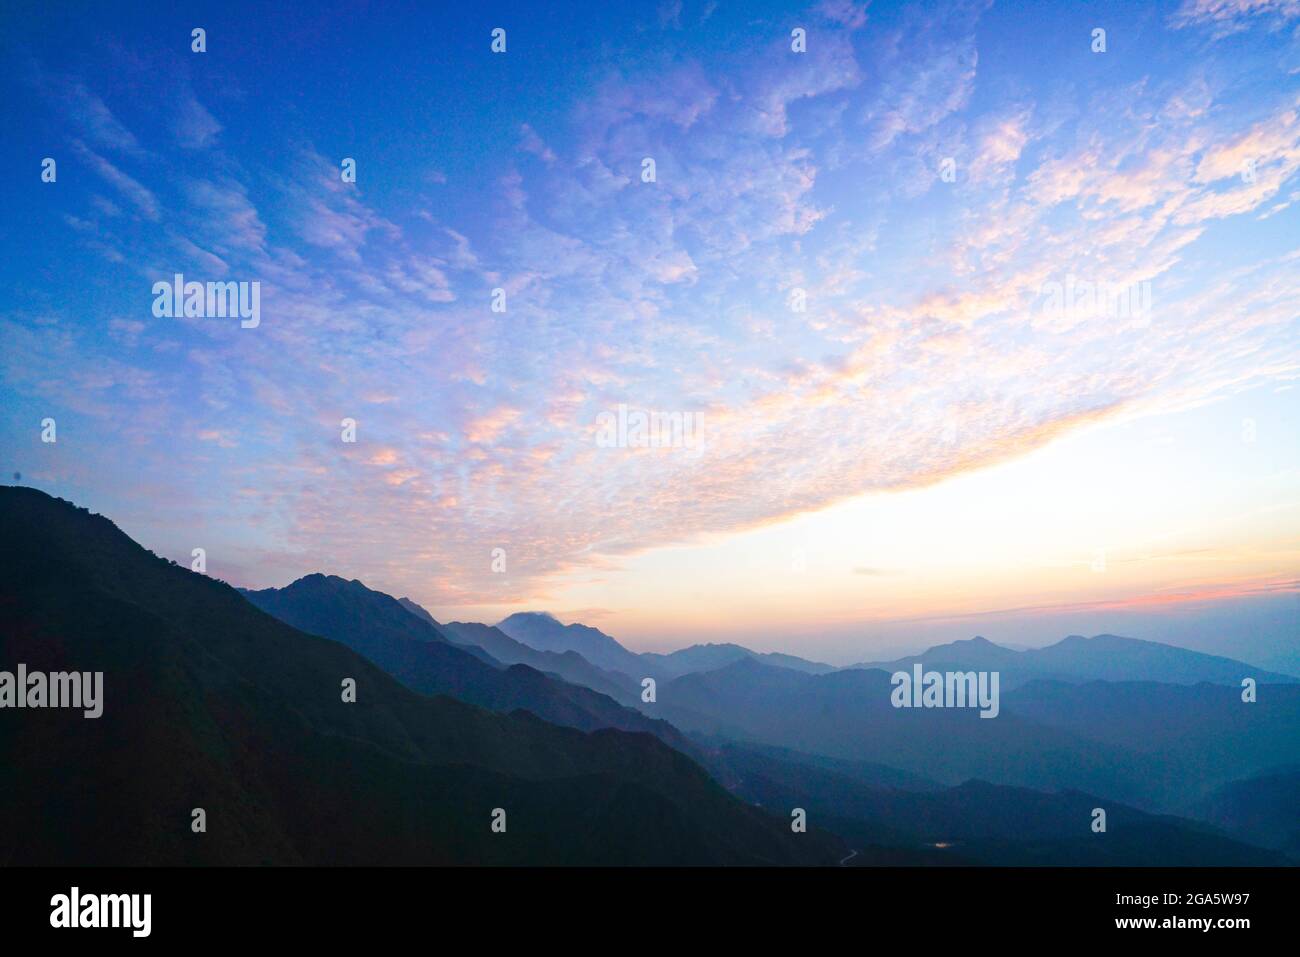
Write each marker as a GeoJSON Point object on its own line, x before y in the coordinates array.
{"type": "Point", "coordinates": [709, 656]}
{"type": "Point", "coordinates": [1112, 658]}
{"type": "Point", "coordinates": [569, 665]}
{"type": "Point", "coordinates": [540, 630]}
{"type": "Point", "coordinates": [1151, 745]}
{"type": "Point", "coordinates": [1191, 738]}
{"type": "Point", "coordinates": [1263, 809]}
{"type": "Point", "coordinates": [1101, 658]}
{"type": "Point", "coordinates": [975, 822]}
{"type": "Point", "coordinates": [420, 656]}
{"type": "Point", "coordinates": [211, 703]}
{"type": "Point", "coordinates": [977, 652]}
{"type": "Point", "coordinates": [847, 714]}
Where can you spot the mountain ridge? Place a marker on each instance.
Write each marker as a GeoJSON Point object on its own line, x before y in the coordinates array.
{"type": "Point", "coordinates": [421, 656]}
{"type": "Point", "coordinates": [1076, 658]}
{"type": "Point", "coordinates": [212, 703]}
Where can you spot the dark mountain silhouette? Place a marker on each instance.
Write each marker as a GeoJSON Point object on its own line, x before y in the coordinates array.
{"type": "Point", "coordinates": [1098, 738]}
{"type": "Point", "coordinates": [730, 762]}
{"type": "Point", "coordinates": [540, 630]}
{"type": "Point", "coordinates": [211, 703]}
{"type": "Point", "coordinates": [975, 822]}
{"type": "Point", "coordinates": [1263, 809]}
{"type": "Point", "coordinates": [418, 654]}
{"type": "Point", "coordinates": [1101, 658]}
{"type": "Point", "coordinates": [419, 611]}
{"type": "Point", "coordinates": [710, 656]}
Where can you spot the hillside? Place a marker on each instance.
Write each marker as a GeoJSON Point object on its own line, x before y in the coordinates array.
{"type": "Point", "coordinates": [210, 702]}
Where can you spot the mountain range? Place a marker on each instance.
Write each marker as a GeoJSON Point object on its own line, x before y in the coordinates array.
{"type": "Point", "coordinates": [1156, 746]}
{"type": "Point", "coordinates": [541, 630]}
{"type": "Point", "coordinates": [230, 700]}
{"type": "Point", "coordinates": [974, 822]}
{"type": "Point", "coordinates": [1076, 658]}
{"type": "Point", "coordinates": [1073, 659]}
{"type": "Point", "coordinates": [1262, 809]}
{"type": "Point", "coordinates": [419, 654]}
{"type": "Point", "coordinates": [211, 703]}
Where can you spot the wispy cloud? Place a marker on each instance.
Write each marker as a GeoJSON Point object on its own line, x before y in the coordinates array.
{"type": "Point", "coordinates": [921, 346]}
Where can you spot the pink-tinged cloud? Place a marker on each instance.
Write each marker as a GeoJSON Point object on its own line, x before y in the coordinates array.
{"type": "Point", "coordinates": [924, 344]}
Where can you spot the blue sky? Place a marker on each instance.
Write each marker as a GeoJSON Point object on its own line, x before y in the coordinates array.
{"type": "Point", "coordinates": [846, 446]}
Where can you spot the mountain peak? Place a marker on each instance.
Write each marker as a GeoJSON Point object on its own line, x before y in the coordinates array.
{"type": "Point", "coordinates": [530, 616]}
{"type": "Point", "coordinates": [963, 646]}
{"type": "Point", "coordinates": [317, 579]}
{"type": "Point", "coordinates": [543, 631]}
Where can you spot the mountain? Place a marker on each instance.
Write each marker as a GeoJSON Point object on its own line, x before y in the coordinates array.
{"type": "Point", "coordinates": [710, 656]}
{"type": "Point", "coordinates": [499, 646]}
{"type": "Point", "coordinates": [420, 612]}
{"type": "Point", "coordinates": [975, 822]}
{"type": "Point", "coordinates": [1263, 809]}
{"type": "Point", "coordinates": [211, 703]}
{"type": "Point", "coordinates": [419, 655]}
{"type": "Point", "coordinates": [1101, 658]}
{"type": "Point", "coordinates": [977, 652]}
{"type": "Point", "coordinates": [569, 665]}
{"type": "Point", "coordinates": [1112, 658]}
{"type": "Point", "coordinates": [731, 762]}
{"type": "Point", "coordinates": [1153, 746]}
{"type": "Point", "coordinates": [541, 630]}
{"type": "Point", "coordinates": [1192, 738]}
{"type": "Point", "coordinates": [848, 715]}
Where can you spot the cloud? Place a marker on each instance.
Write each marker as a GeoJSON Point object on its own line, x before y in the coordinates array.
{"type": "Point", "coordinates": [1233, 16]}
{"type": "Point", "coordinates": [96, 120]}
{"type": "Point", "coordinates": [925, 81]}
{"type": "Point", "coordinates": [142, 198]}
{"type": "Point", "coordinates": [846, 13]}
{"type": "Point", "coordinates": [488, 427]}
{"type": "Point", "coordinates": [530, 142]}
{"type": "Point", "coordinates": [195, 128]}
{"type": "Point", "coordinates": [924, 349]}
{"type": "Point", "coordinates": [223, 215]}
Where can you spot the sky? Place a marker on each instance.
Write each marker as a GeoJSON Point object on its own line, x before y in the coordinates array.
{"type": "Point", "coordinates": [860, 276]}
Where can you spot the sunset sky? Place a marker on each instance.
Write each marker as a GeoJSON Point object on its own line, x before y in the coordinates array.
{"type": "Point", "coordinates": [932, 438]}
